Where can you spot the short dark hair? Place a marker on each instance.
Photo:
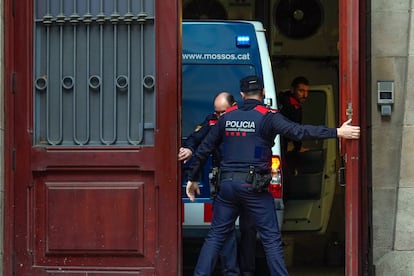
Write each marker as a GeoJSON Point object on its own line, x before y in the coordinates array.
{"type": "Point", "coordinates": [251, 85]}
{"type": "Point", "coordinates": [230, 98]}
{"type": "Point", "coordinates": [299, 80]}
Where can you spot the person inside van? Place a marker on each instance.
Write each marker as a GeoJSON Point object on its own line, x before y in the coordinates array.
{"type": "Point", "coordinates": [290, 105]}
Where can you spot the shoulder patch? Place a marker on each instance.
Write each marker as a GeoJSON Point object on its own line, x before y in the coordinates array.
{"type": "Point", "coordinates": [198, 128]}
{"type": "Point", "coordinates": [262, 109]}
{"type": "Point", "coordinates": [212, 122]}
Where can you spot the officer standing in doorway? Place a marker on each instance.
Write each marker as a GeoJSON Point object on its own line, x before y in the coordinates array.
{"type": "Point", "coordinates": [247, 136]}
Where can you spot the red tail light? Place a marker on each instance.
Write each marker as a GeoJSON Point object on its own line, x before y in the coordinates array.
{"type": "Point", "coordinates": [276, 190]}
{"type": "Point", "coordinates": [275, 187]}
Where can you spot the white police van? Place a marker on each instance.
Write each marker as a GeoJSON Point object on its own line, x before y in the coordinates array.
{"type": "Point", "coordinates": [215, 56]}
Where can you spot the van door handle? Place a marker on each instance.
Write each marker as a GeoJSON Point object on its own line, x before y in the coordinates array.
{"type": "Point", "coordinates": [341, 176]}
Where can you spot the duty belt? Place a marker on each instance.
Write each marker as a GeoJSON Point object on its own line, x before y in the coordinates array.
{"type": "Point", "coordinates": [233, 175]}
{"type": "Point", "coordinates": [259, 182]}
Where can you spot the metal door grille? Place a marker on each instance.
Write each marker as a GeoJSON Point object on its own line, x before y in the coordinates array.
{"type": "Point", "coordinates": [94, 72]}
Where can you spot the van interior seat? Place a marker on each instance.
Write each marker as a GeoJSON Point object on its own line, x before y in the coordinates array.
{"type": "Point", "coordinates": [305, 172]}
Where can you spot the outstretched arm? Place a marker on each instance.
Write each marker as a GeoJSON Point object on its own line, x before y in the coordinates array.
{"type": "Point", "coordinates": [348, 131]}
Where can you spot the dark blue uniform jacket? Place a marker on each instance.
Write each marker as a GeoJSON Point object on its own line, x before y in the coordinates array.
{"type": "Point", "coordinates": [272, 123]}
{"type": "Point", "coordinates": [201, 131]}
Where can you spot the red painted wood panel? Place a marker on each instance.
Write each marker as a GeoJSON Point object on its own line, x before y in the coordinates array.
{"type": "Point", "coordinates": [84, 219]}
{"type": "Point", "coordinates": [116, 210]}
{"type": "Point", "coordinates": [350, 89]}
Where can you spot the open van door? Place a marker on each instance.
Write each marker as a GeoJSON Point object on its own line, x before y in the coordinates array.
{"type": "Point", "coordinates": [312, 174]}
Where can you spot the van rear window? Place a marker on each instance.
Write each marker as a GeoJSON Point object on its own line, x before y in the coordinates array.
{"type": "Point", "coordinates": [201, 83]}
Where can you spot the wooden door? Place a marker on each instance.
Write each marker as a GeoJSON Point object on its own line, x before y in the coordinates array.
{"type": "Point", "coordinates": [91, 171]}
{"type": "Point", "coordinates": [353, 97]}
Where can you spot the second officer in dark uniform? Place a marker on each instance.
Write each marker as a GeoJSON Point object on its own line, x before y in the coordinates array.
{"type": "Point", "coordinates": [247, 136]}
{"type": "Point", "coordinates": [221, 102]}
{"type": "Point", "coordinates": [247, 253]}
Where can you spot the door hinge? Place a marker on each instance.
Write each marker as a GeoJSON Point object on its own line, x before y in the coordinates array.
{"type": "Point", "coordinates": [349, 111]}
{"type": "Point", "coordinates": [341, 176]}
{"type": "Point", "coordinates": [13, 82]}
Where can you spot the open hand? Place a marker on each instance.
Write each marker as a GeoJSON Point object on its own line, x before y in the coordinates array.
{"type": "Point", "coordinates": [184, 154]}
{"type": "Point", "coordinates": [191, 189]}
{"type": "Point", "coordinates": [348, 131]}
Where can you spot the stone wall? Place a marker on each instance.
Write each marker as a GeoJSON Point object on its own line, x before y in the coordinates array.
{"type": "Point", "coordinates": [392, 49]}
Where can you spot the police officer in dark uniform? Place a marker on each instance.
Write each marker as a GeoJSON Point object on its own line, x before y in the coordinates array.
{"type": "Point", "coordinates": [247, 136]}
{"type": "Point", "coordinates": [222, 101]}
